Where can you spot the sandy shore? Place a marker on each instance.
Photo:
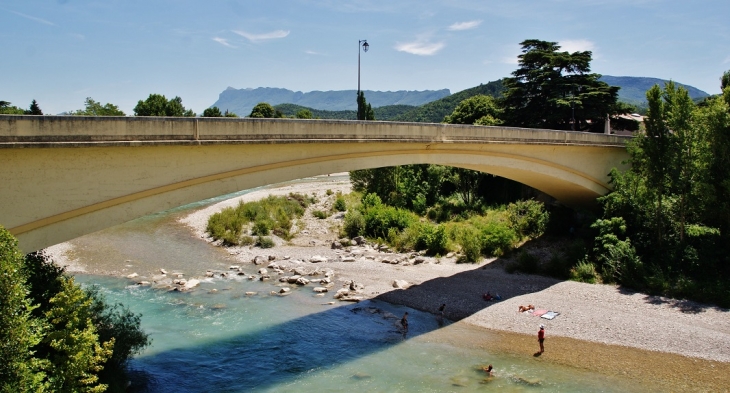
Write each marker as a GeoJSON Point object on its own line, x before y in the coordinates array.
{"type": "Point", "coordinates": [594, 313]}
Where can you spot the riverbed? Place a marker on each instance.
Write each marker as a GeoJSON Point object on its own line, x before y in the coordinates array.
{"type": "Point", "coordinates": [218, 338]}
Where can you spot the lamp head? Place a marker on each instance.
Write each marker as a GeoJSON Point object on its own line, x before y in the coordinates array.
{"type": "Point", "coordinates": [365, 46]}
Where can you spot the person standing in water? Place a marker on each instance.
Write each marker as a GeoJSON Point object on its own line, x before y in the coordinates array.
{"type": "Point", "coordinates": [404, 322]}
{"type": "Point", "coordinates": [541, 338]}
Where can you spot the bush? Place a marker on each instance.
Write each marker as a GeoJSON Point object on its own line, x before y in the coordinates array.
{"type": "Point", "coordinates": [528, 263]}
{"type": "Point", "coordinates": [471, 245]}
{"type": "Point", "coordinates": [354, 224]}
{"type": "Point", "coordinates": [584, 272]}
{"type": "Point", "coordinates": [496, 239]}
{"type": "Point", "coordinates": [272, 214]}
{"type": "Point", "coordinates": [528, 218]}
{"type": "Point", "coordinates": [380, 218]}
{"type": "Point", "coordinates": [265, 242]}
{"type": "Point", "coordinates": [329, 192]}
{"type": "Point", "coordinates": [432, 238]}
{"type": "Point", "coordinates": [340, 204]}
{"type": "Point", "coordinates": [319, 214]}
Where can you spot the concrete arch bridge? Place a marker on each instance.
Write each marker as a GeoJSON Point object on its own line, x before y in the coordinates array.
{"type": "Point", "coordinates": [64, 176]}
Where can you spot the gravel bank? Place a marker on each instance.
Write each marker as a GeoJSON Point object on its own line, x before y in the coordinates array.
{"type": "Point", "coordinates": [597, 313]}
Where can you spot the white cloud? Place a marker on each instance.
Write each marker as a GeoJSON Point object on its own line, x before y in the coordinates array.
{"type": "Point", "coordinates": [576, 45]}
{"type": "Point", "coordinates": [262, 37]}
{"type": "Point", "coordinates": [222, 41]}
{"type": "Point", "coordinates": [420, 48]}
{"type": "Point", "coordinates": [33, 18]}
{"type": "Point", "coordinates": [311, 52]}
{"type": "Point", "coordinates": [465, 25]}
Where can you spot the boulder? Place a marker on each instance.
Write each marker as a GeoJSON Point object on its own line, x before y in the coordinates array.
{"type": "Point", "coordinates": [320, 289]}
{"type": "Point", "coordinates": [302, 281]}
{"type": "Point", "coordinates": [354, 299]}
{"type": "Point", "coordinates": [359, 240]}
{"type": "Point", "coordinates": [317, 259]}
{"type": "Point", "coordinates": [265, 277]}
{"type": "Point", "coordinates": [293, 279]}
{"type": "Point", "coordinates": [342, 293]}
{"type": "Point", "coordinates": [263, 271]}
{"type": "Point", "coordinates": [284, 290]}
{"type": "Point", "coordinates": [419, 260]}
{"type": "Point", "coordinates": [259, 260]}
{"type": "Point", "coordinates": [133, 275]}
{"type": "Point", "coordinates": [250, 293]}
{"type": "Point", "coordinates": [163, 271]}
{"type": "Point", "coordinates": [143, 283]}
{"type": "Point", "coordinates": [234, 267]}
{"type": "Point", "coordinates": [348, 259]}
{"type": "Point", "coordinates": [190, 284]}
{"type": "Point", "coordinates": [300, 271]}
{"type": "Point", "coordinates": [209, 274]}
{"type": "Point", "coordinates": [336, 245]}
{"type": "Point", "coordinates": [356, 286]}
{"type": "Point", "coordinates": [329, 273]}
{"type": "Point", "coordinates": [401, 284]}
{"type": "Point", "coordinates": [325, 280]}
{"type": "Point", "coordinates": [272, 257]}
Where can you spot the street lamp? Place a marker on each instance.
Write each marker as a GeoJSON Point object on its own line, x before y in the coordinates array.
{"type": "Point", "coordinates": [365, 47]}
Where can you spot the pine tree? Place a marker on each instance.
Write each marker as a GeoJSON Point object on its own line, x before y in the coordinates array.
{"type": "Point", "coordinates": [34, 109]}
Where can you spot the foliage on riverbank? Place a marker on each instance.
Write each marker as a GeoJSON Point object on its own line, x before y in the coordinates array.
{"type": "Point", "coordinates": [237, 226]}
{"type": "Point", "coordinates": [666, 226]}
{"type": "Point", "coordinates": [56, 336]}
{"type": "Point", "coordinates": [492, 233]}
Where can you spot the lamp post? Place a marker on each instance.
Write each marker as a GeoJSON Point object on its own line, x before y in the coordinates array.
{"type": "Point", "coordinates": [365, 47]}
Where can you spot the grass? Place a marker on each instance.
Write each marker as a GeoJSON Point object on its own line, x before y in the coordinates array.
{"type": "Point", "coordinates": [260, 218]}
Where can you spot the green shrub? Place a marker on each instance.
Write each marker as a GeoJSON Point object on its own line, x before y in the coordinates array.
{"type": "Point", "coordinates": [558, 266]}
{"type": "Point", "coordinates": [471, 245]}
{"type": "Point", "coordinates": [380, 218]}
{"type": "Point", "coordinates": [496, 239]}
{"type": "Point", "coordinates": [319, 214]}
{"type": "Point", "coordinates": [584, 272]}
{"type": "Point", "coordinates": [329, 192]}
{"type": "Point", "coordinates": [371, 200]}
{"type": "Point", "coordinates": [432, 238]}
{"type": "Point", "coordinates": [340, 204]}
{"type": "Point", "coordinates": [354, 224]}
{"type": "Point", "coordinates": [528, 218]}
{"type": "Point", "coordinates": [265, 242]}
{"type": "Point", "coordinates": [246, 241]}
{"type": "Point", "coordinates": [272, 214]}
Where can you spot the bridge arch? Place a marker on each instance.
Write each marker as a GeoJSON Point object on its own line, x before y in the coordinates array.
{"type": "Point", "coordinates": [71, 176]}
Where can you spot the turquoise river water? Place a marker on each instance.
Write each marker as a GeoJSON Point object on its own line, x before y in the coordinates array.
{"type": "Point", "coordinates": [225, 341]}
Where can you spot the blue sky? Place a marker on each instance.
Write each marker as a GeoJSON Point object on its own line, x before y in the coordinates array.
{"type": "Point", "coordinates": [119, 51]}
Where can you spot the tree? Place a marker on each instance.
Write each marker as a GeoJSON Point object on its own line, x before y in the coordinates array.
{"type": "Point", "coordinates": [304, 114]}
{"type": "Point", "coordinates": [479, 110]}
{"type": "Point", "coordinates": [364, 110]}
{"type": "Point", "coordinates": [212, 112]}
{"type": "Point", "coordinates": [34, 109]}
{"type": "Point", "coordinates": [94, 108]}
{"type": "Point", "coordinates": [159, 105]}
{"type": "Point", "coordinates": [19, 331]}
{"type": "Point", "coordinates": [725, 80]}
{"type": "Point", "coordinates": [229, 114]}
{"type": "Point", "coordinates": [551, 88]}
{"type": "Point", "coordinates": [7, 109]}
{"type": "Point", "coordinates": [263, 110]}
{"type": "Point", "coordinates": [77, 355]}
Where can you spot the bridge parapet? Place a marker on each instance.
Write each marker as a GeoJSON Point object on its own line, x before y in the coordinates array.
{"type": "Point", "coordinates": [67, 131]}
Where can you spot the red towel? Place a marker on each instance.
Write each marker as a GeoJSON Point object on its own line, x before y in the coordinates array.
{"type": "Point", "coordinates": [538, 313]}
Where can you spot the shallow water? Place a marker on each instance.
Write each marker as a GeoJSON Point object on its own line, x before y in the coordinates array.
{"type": "Point", "coordinates": [218, 339]}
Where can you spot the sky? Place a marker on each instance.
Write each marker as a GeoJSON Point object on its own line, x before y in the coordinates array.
{"type": "Point", "coordinates": [59, 52]}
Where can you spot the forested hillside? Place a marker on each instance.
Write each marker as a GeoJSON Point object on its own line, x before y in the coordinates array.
{"type": "Point", "coordinates": [434, 112]}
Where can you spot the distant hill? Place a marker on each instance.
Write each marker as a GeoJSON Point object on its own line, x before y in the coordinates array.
{"type": "Point", "coordinates": [434, 112]}
{"type": "Point", "coordinates": [241, 101]}
{"type": "Point", "coordinates": [634, 88]}
{"type": "Point", "coordinates": [387, 112]}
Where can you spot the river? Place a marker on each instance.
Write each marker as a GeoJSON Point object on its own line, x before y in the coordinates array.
{"type": "Point", "coordinates": [218, 339]}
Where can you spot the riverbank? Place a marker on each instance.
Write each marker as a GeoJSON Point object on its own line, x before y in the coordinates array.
{"type": "Point", "coordinates": [595, 313]}
{"type": "Point", "coordinates": [670, 344]}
